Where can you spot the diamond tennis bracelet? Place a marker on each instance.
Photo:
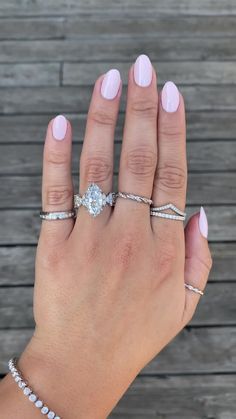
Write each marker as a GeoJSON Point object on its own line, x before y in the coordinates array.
{"type": "Point", "coordinates": [23, 385]}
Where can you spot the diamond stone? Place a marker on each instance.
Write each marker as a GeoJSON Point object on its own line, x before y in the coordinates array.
{"type": "Point", "coordinates": [27, 391]}
{"type": "Point", "coordinates": [32, 397]}
{"type": "Point", "coordinates": [44, 410]}
{"type": "Point", "coordinates": [39, 403]}
{"type": "Point", "coordinates": [51, 415]}
{"type": "Point", "coordinates": [94, 200]}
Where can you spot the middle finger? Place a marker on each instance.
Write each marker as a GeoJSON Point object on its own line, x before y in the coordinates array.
{"type": "Point", "coordinates": [139, 148]}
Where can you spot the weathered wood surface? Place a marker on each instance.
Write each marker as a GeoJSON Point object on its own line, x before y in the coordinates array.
{"type": "Point", "coordinates": [212, 309]}
{"type": "Point", "coordinates": [110, 49]}
{"type": "Point", "coordinates": [119, 25]}
{"type": "Point", "coordinates": [50, 55]}
{"type": "Point", "coordinates": [31, 128]}
{"type": "Point", "coordinates": [80, 74]}
{"type": "Point", "coordinates": [203, 189]}
{"type": "Point", "coordinates": [68, 99]}
{"type": "Point", "coordinates": [189, 353]}
{"type": "Point", "coordinates": [17, 264]}
{"type": "Point", "coordinates": [202, 156]}
{"type": "Point", "coordinates": [70, 7]}
{"type": "Point", "coordinates": [194, 397]}
{"type": "Point", "coordinates": [183, 73]}
{"type": "Point", "coordinates": [29, 75]}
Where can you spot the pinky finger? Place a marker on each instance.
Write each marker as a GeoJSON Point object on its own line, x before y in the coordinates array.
{"type": "Point", "coordinates": [198, 261]}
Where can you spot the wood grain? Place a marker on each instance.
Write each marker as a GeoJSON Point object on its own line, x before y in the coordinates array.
{"type": "Point", "coordinates": [29, 75]}
{"type": "Point", "coordinates": [118, 25]}
{"type": "Point", "coordinates": [70, 7]}
{"type": "Point", "coordinates": [183, 397]}
{"type": "Point", "coordinates": [184, 73]}
{"type": "Point", "coordinates": [112, 49]}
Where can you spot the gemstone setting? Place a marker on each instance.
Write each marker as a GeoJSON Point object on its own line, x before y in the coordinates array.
{"type": "Point", "coordinates": [94, 200]}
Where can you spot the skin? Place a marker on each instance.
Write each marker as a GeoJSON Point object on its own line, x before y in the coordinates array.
{"type": "Point", "coordinates": [109, 292]}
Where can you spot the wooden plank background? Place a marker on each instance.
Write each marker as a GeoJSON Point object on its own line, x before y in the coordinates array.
{"type": "Point", "coordinates": [51, 52]}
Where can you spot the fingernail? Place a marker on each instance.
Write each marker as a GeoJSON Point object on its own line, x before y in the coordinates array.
{"type": "Point", "coordinates": [143, 71]}
{"type": "Point", "coordinates": [59, 127]}
{"type": "Point", "coordinates": [111, 84]}
{"type": "Point", "coordinates": [203, 223]}
{"type": "Point", "coordinates": [170, 97]}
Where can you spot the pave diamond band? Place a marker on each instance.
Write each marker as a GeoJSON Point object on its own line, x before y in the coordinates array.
{"type": "Point", "coordinates": [57, 215]}
{"type": "Point", "coordinates": [178, 214]}
{"type": "Point", "coordinates": [28, 392]}
{"type": "Point", "coordinates": [191, 288]}
{"type": "Point", "coordinates": [94, 200]}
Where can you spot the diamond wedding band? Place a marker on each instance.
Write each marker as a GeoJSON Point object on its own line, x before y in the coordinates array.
{"type": "Point", "coordinates": [57, 215]}
{"type": "Point", "coordinates": [158, 212]}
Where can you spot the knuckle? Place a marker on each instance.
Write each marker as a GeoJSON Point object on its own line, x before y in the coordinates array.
{"type": "Point", "coordinates": [58, 195]}
{"type": "Point", "coordinates": [101, 117]}
{"type": "Point", "coordinates": [170, 177]}
{"type": "Point", "coordinates": [56, 157]}
{"type": "Point", "coordinates": [141, 162]}
{"type": "Point", "coordinates": [97, 169]}
{"type": "Point", "coordinates": [144, 108]}
{"type": "Point", "coordinates": [126, 250]}
{"type": "Point", "coordinates": [172, 132]}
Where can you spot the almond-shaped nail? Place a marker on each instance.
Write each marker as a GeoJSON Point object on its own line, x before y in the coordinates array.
{"type": "Point", "coordinates": [111, 84]}
{"type": "Point", "coordinates": [143, 71]}
{"type": "Point", "coordinates": [170, 97]}
{"type": "Point", "coordinates": [203, 223]}
{"type": "Point", "coordinates": [59, 127]}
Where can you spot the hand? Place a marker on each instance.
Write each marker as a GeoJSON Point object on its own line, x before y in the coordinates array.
{"type": "Point", "coordinates": [109, 291]}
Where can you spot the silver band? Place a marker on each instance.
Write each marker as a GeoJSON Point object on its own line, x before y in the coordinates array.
{"type": "Point", "coordinates": [28, 392]}
{"type": "Point", "coordinates": [158, 212]}
{"type": "Point", "coordinates": [137, 198]}
{"type": "Point", "coordinates": [191, 288]}
{"type": "Point", "coordinates": [94, 200]}
{"type": "Point", "coordinates": [57, 215]}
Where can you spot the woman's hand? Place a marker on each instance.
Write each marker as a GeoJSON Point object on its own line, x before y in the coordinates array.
{"type": "Point", "coordinates": [109, 291]}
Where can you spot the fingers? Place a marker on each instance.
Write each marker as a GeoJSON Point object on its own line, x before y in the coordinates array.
{"type": "Point", "coordinates": [171, 173]}
{"type": "Point", "coordinates": [198, 260]}
{"type": "Point", "coordinates": [57, 186]}
{"type": "Point", "coordinates": [139, 148]}
{"type": "Point", "coordinates": [96, 161]}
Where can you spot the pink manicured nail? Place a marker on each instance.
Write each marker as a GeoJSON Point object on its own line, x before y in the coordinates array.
{"type": "Point", "coordinates": [143, 71]}
{"type": "Point", "coordinates": [170, 97]}
{"type": "Point", "coordinates": [59, 127]}
{"type": "Point", "coordinates": [203, 223]}
{"type": "Point", "coordinates": [111, 84]}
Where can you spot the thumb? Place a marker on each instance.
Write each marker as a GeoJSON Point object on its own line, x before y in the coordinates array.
{"type": "Point", "coordinates": [198, 261]}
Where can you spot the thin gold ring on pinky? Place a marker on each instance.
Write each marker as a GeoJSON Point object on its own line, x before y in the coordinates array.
{"type": "Point", "coordinates": [177, 216]}
{"type": "Point", "coordinates": [57, 215]}
{"type": "Point", "coordinates": [137, 198]}
{"type": "Point", "coordinates": [191, 288]}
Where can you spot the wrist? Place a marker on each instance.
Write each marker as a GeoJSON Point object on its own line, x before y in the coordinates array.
{"type": "Point", "coordinates": [70, 383]}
